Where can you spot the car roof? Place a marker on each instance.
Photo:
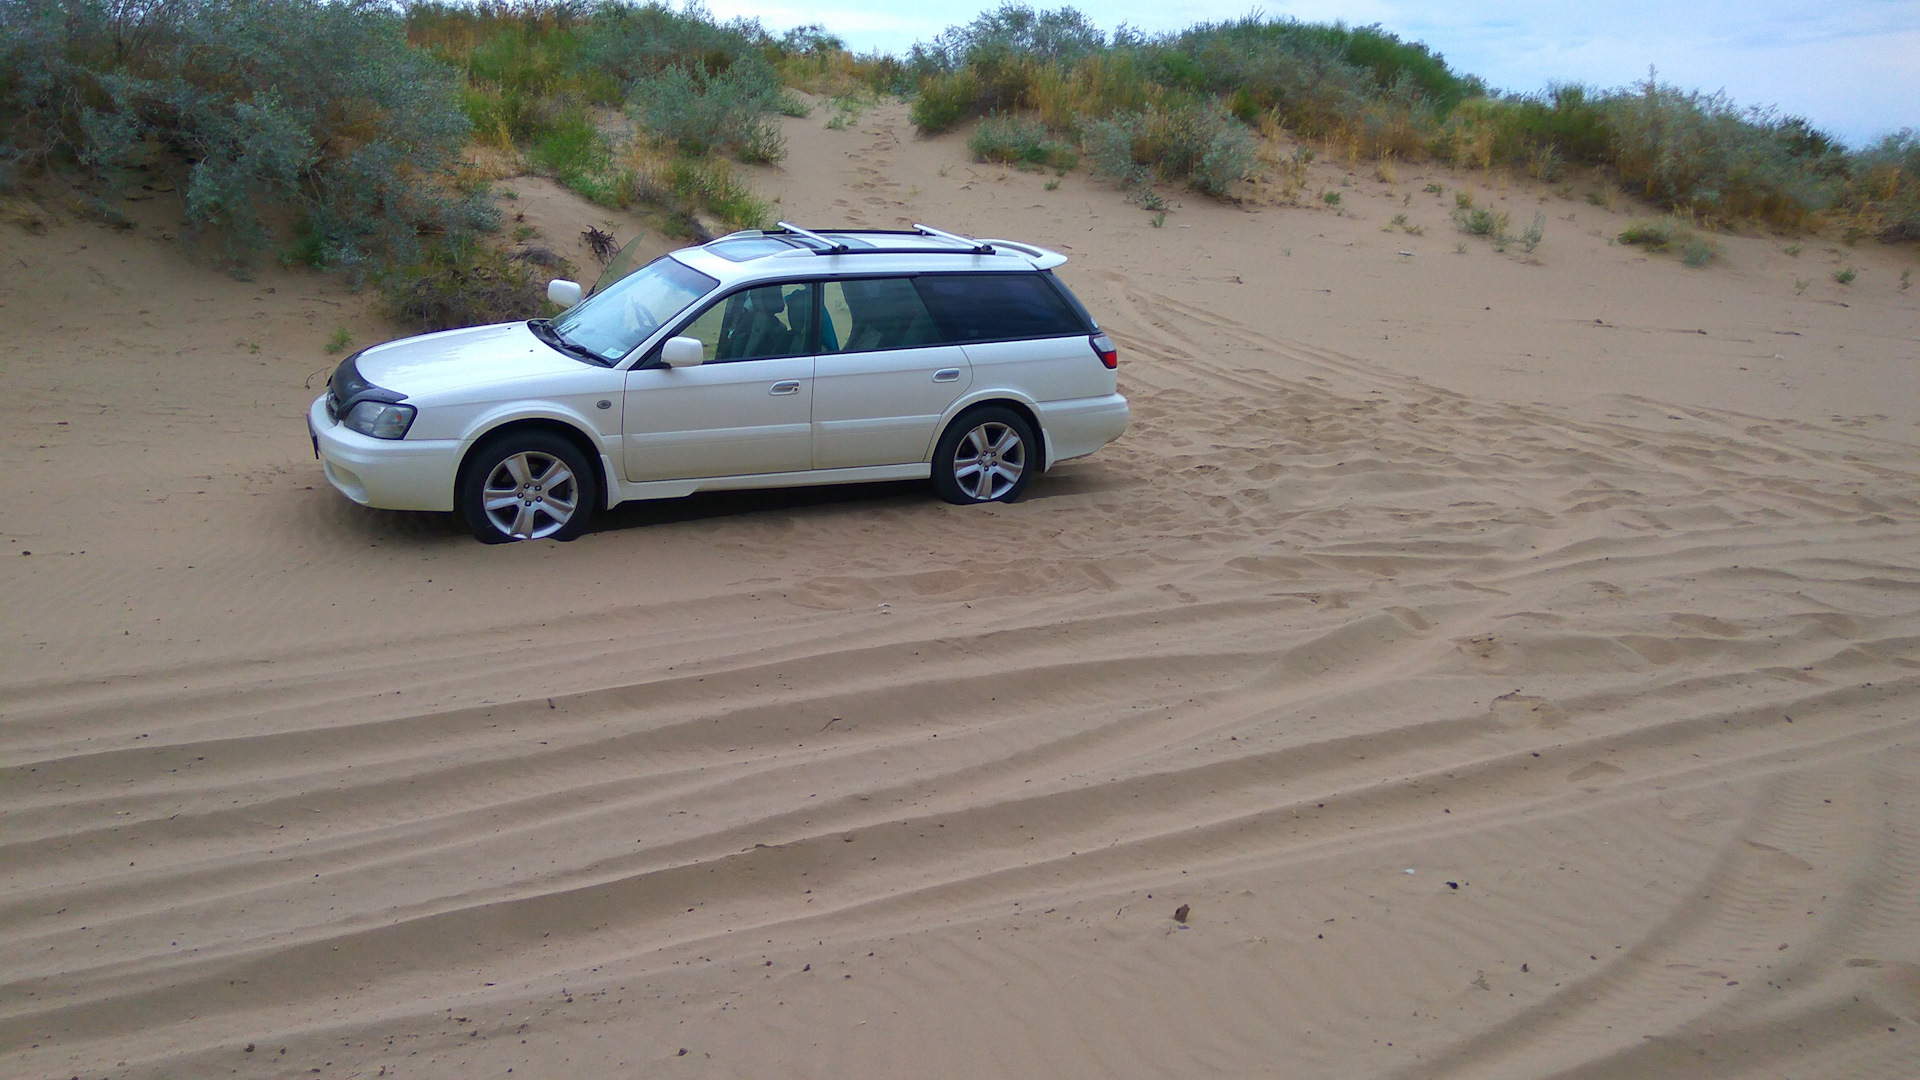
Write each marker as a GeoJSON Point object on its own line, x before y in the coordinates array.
{"type": "Point", "coordinates": [791, 251]}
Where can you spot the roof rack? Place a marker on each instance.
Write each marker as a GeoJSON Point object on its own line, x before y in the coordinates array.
{"type": "Point", "coordinates": [980, 247]}
{"type": "Point", "coordinates": [828, 247]}
{"type": "Point", "coordinates": [835, 247]}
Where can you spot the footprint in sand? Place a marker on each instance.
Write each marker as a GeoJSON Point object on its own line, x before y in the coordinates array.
{"type": "Point", "coordinates": [1593, 770]}
{"type": "Point", "coordinates": [1518, 710]}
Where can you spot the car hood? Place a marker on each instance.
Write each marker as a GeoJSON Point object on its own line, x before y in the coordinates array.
{"type": "Point", "coordinates": [468, 359]}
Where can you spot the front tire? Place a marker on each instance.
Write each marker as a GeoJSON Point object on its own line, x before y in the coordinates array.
{"type": "Point", "coordinates": [533, 485]}
{"type": "Point", "coordinates": [986, 455]}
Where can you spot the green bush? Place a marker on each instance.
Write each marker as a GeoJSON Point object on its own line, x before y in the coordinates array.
{"type": "Point", "coordinates": [1021, 141]}
{"type": "Point", "coordinates": [1302, 77]}
{"type": "Point", "coordinates": [1652, 235]}
{"type": "Point", "coordinates": [1480, 221]}
{"type": "Point", "coordinates": [700, 113]}
{"type": "Point", "coordinates": [1200, 143]}
{"type": "Point", "coordinates": [1062, 35]}
{"type": "Point", "coordinates": [1886, 186]}
{"type": "Point", "coordinates": [465, 284]}
{"type": "Point", "coordinates": [1669, 234]}
{"type": "Point", "coordinates": [268, 110]}
{"type": "Point", "coordinates": [944, 100]}
{"type": "Point", "coordinates": [994, 63]}
{"type": "Point", "coordinates": [627, 42]}
{"type": "Point", "coordinates": [1700, 154]}
{"type": "Point", "coordinates": [571, 149]}
{"type": "Point", "coordinates": [709, 185]}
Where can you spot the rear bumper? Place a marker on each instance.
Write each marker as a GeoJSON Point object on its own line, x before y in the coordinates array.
{"type": "Point", "coordinates": [388, 474]}
{"type": "Point", "coordinates": [1080, 426]}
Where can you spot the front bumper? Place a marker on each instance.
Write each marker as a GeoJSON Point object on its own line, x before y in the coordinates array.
{"type": "Point", "coordinates": [388, 474]}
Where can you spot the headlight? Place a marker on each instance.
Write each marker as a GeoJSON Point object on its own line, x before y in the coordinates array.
{"type": "Point", "coordinates": [380, 419]}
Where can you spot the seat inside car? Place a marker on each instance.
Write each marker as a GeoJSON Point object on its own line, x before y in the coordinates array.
{"type": "Point", "coordinates": [886, 314]}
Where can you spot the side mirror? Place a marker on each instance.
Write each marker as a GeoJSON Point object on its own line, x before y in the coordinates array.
{"type": "Point", "coordinates": [563, 292]}
{"type": "Point", "coordinates": [683, 352]}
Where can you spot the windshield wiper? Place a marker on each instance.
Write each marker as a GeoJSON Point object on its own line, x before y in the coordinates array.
{"type": "Point", "coordinates": [543, 329]}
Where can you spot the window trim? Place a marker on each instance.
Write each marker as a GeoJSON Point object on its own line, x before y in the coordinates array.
{"type": "Point", "coordinates": [1052, 282]}
{"type": "Point", "coordinates": [651, 360]}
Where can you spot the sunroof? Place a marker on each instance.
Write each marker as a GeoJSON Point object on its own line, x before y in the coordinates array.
{"type": "Point", "coordinates": [741, 249]}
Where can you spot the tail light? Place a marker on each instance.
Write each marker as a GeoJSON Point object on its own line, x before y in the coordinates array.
{"type": "Point", "coordinates": [1103, 346]}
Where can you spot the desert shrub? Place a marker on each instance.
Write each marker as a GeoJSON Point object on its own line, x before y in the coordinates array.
{"type": "Point", "coordinates": [1062, 35]}
{"type": "Point", "coordinates": [571, 149]}
{"type": "Point", "coordinates": [1671, 234]}
{"type": "Point", "coordinates": [1530, 237]}
{"type": "Point", "coordinates": [699, 113]}
{"type": "Point", "coordinates": [838, 73]}
{"type": "Point", "coordinates": [1885, 186]}
{"type": "Point", "coordinates": [1361, 85]}
{"type": "Point", "coordinates": [944, 101]}
{"type": "Point", "coordinates": [1480, 221]}
{"type": "Point", "coordinates": [710, 185]}
{"type": "Point", "coordinates": [1200, 143]}
{"type": "Point", "coordinates": [1022, 141]}
{"type": "Point", "coordinates": [1397, 122]}
{"type": "Point", "coordinates": [1652, 235]}
{"type": "Point", "coordinates": [1700, 154]}
{"type": "Point", "coordinates": [994, 63]}
{"type": "Point", "coordinates": [1568, 118]}
{"type": "Point", "coordinates": [1068, 97]}
{"type": "Point", "coordinates": [628, 42]}
{"type": "Point", "coordinates": [1261, 67]}
{"type": "Point", "coordinates": [271, 111]}
{"type": "Point", "coordinates": [684, 187]}
{"type": "Point", "coordinates": [465, 284]}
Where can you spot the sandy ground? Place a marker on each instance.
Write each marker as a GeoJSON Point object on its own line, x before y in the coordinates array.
{"type": "Point", "coordinates": [1510, 661]}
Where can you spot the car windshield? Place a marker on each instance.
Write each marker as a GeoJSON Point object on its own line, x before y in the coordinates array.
{"type": "Point", "coordinates": [609, 324]}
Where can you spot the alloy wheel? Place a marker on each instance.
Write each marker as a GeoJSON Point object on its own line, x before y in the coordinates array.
{"type": "Point", "coordinates": [530, 495]}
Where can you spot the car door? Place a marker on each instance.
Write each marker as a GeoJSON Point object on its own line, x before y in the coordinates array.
{"type": "Point", "coordinates": [883, 376]}
{"type": "Point", "coordinates": [746, 409]}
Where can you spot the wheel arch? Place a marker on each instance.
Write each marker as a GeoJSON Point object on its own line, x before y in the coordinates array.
{"type": "Point", "coordinates": [1019, 405]}
{"type": "Point", "coordinates": [581, 441]}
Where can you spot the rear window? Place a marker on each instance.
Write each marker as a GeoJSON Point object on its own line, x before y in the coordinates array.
{"type": "Point", "coordinates": [997, 307]}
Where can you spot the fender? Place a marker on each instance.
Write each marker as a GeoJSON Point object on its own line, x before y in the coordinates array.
{"type": "Point", "coordinates": [982, 396]}
{"type": "Point", "coordinates": [510, 413]}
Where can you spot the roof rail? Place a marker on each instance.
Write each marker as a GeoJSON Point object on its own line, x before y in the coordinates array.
{"type": "Point", "coordinates": [829, 246]}
{"type": "Point", "coordinates": [969, 246]}
{"type": "Point", "coordinates": [979, 247]}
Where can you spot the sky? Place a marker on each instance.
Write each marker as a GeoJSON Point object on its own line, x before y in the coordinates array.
{"type": "Point", "coordinates": [1852, 67]}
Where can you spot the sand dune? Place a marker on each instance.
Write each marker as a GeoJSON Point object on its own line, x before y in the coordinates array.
{"type": "Point", "coordinates": [1512, 663]}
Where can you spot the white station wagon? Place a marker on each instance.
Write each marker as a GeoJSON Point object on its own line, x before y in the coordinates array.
{"type": "Point", "coordinates": [763, 359]}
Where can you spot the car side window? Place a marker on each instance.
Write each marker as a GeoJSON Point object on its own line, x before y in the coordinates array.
{"type": "Point", "coordinates": [756, 324]}
{"type": "Point", "coordinates": [864, 314]}
{"type": "Point", "coordinates": [998, 307]}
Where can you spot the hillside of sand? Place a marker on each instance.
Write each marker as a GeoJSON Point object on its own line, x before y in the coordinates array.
{"type": "Point", "coordinates": [1508, 662]}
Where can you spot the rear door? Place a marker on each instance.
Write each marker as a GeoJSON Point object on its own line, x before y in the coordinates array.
{"type": "Point", "coordinates": [746, 409]}
{"type": "Point", "coordinates": [883, 376]}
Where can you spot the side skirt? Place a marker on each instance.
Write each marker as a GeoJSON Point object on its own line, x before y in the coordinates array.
{"type": "Point", "coordinates": [621, 491]}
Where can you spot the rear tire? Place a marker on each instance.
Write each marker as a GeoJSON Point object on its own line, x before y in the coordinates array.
{"type": "Point", "coordinates": [985, 455]}
{"type": "Point", "coordinates": [532, 485]}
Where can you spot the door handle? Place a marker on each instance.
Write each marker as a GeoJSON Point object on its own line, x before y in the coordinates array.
{"type": "Point", "coordinates": [791, 386]}
{"type": "Point", "coordinates": [951, 374]}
